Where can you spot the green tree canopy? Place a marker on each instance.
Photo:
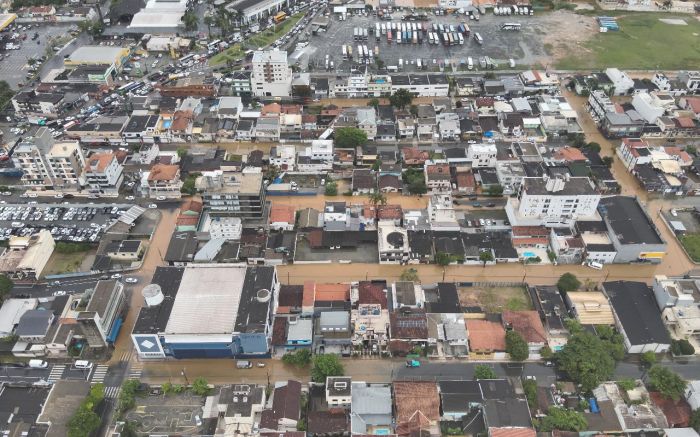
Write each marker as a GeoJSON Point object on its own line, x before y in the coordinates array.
{"type": "Point", "coordinates": [331, 188]}
{"type": "Point", "coordinates": [401, 98]}
{"type": "Point", "coordinates": [516, 346]}
{"type": "Point", "coordinates": [483, 371]}
{"type": "Point", "coordinates": [648, 358]}
{"type": "Point", "coordinates": [695, 420]}
{"type": "Point", "coordinates": [586, 359]}
{"type": "Point", "coordinates": [373, 102]}
{"type": "Point", "coordinates": [326, 365]}
{"type": "Point", "coordinates": [409, 274]}
{"type": "Point", "coordinates": [190, 20]}
{"type": "Point", "coordinates": [667, 382]}
{"type": "Point", "coordinates": [298, 358]}
{"type": "Point", "coordinates": [562, 419]}
{"type": "Point", "coordinates": [494, 190]}
{"type": "Point", "coordinates": [200, 387]}
{"type": "Point", "coordinates": [83, 423]}
{"type": "Point", "coordinates": [443, 259]}
{"type": "Point", "coordinates": [485, 256]}
{"type": "Point", "coordinates": [349, 137]}
{"type": "Point", "coordinates": [6, 285]}
{"type": "Point", "coordinates": [568, 282]}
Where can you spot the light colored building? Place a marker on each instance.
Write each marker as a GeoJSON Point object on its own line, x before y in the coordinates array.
{"type": "Point", "coordinates": [67, 164]}
{"type": "Point", "coordinates": [553, 201]}
{"type": "Point", "coordinates": [338, 391]}
{"type": "Point", "coordinates": [112, 58]}
{"type": "Point", "coordinates": [99, 321]}
{"type": "Point", "coordinates": [482, 155]}
{"type": "Point", "coordinates": [393, 244]}
{"type": "Point", "coordinates": [160, 17]}
{"type": "Point", "coordinates": [437, 176]}
{"type": "Point", "coordinates": [30, 158]}
{"type": "Point", "coordinates": [283, 156]}
{"type": "Point", "coordinates": [271, 76]}
{"type": "Point", "coordinates": [622, 83]}
{"type": "Point", "coordinates": [233, 194]}
{"type": "Point", "coordinates": [441, 213]}
{"type": "Point", "coordinates": [163, 180]}
{"type": "Point", "coordinates": [103, 173]}
{"type": "Point", "coordinates": [26, 257]}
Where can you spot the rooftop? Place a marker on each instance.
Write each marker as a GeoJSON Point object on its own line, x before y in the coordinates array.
{"type": "Point", "coordinates": [628, 220]}
{"type": "Point", "coordinates": [636, 309]}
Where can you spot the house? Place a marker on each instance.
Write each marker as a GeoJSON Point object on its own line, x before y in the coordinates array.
{"type": "Point", "coordinates": [286, 408]}
{"type": "Point", "coordinates": [371, 409]}
{"type": "Point", "coordinates": [163, 180]}
{"type": "Point", "coordinates": [125, 250]}
{"type": "Point", "coordinates": [409, 327]}
{"type": "Point", "coordinates": [637, 317]}
{"type": "Point", "coordinates": [389, 183]}
{"type": "Point", "coordinates": [551, 308]}
{"type": "Point", "coordinates": [332, 333]}
{"type": "Point", "coordinates": [393, 243]}
{"type": "Point", "coordinates": [407, 294]}
{"type": "Point", "coordinates": [438, 177]}
{"type": "Point", "coordinates": [589, 307]}
{"type": "Point", "coordinates": [245, 130]}
{"type": "Point", "coordinates": [621, 82]}
{"type": "Point", "coordinates": [282, 217]}
{"type": "Point", "coordinates": [34, 325]}
{"type": "Point", "coordinates": [447, 333]}
{"type": "Point", "coordinates": [529, 326]}
{"type": "Point", "coordinates": [412, 156]}
{"type": "Point", "coordinates": [364, 181]}
{"type": "Point", "coordinates": [487, 338]}
{"type": "Point", "coordinates": [417, 407]}
{"type": "Point", "coordinates": [338, 391]}
{"type": "Point", "coordinates": [235, 408]}
{"type": "Point", "coordinates": [283, 156]}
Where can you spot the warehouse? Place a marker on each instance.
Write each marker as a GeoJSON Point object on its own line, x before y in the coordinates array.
{"type": "Point", "coordinates": [237, 300]}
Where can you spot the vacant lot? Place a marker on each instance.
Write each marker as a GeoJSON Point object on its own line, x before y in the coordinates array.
{"type": "Point", "coordinates": [691, 243]}
{"type": "Point", "coordinates": [69, 262]}
{"type": "Point", "coordinates": [495, 299]}
{"type": "Point", "coordinates": [643, 42]}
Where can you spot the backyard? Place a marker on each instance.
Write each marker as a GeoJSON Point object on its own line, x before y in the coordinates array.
{"type": "Point", "coordinates": [691, 243]}
{"type": "Point", "coordinates": [644, 41]}
{"type": "Point", "coordinates": [261, 40]}
{"type": "Point", "coordinates": [494, 299]}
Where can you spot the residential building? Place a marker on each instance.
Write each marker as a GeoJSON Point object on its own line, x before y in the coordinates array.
{"type": "Point", "coordinates": [163, 180]}
{"type": "Point", "coordinates": [104, 174]}
{"type": "Point", "coordinates": [67, 164]}
{"type": "Point", "coordinates": [338, 391]}
{"type": "Point", "coordinates": [271, 75]}
{"type": "Point", "coordinates": [417, 407]}
{"type": "Point", "coordinates": [621, 82]}
{"type": "Point", "coordinates": [437, 177]}
{"type": "Point", "coordinates": [393, 244]}
{"type": "Point", "coordinates": [589, 307]}
{"type": "Point", "coordinates": [233, 194]}
{"type": "Point", "coordinates": [32, 103]}
{"type": "Point", "coordinates": [530, 328]}
{"type": "Point", "coordinates": [30, 157]}
{"type": "Point", "coordinates": [482, 155]}
{"type": "Point", "coordinates": [286, 408]}
{"type": "Point", "coordinates": [283, 156]}
{"type": "Point", "coordinates": [236, 408]}
{"type": "Point", "coordinates": [282, 217]}
{"type": "Point", "coordinates": [371, 408]}
{"type": "Point", "coordinates": [101, 320]}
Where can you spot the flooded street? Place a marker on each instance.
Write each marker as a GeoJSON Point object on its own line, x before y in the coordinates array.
{"type": "Point", "coordinates": [318, 202]}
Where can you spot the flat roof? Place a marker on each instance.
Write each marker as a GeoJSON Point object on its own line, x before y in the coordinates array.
{"type": "Point", "coordinates": [637, 311]}
{"type": "Point", "coordinates": [576, 186]}
{"type": "Point", "coordinates": [154, 319]}
{"type": "Point", "coordinates": [207, 300]}
{"type": "Point", "coordinates": [95, 54]}
{"type": "Point", "coordinates": [629, 221]}
{"type": "Point", "coordinates": [101, 296]}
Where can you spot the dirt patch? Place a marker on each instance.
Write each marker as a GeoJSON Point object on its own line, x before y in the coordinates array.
{"type": "Point", "coordinates": [564, 32]}
{"type": "Point", "coordinates": [495, 299]}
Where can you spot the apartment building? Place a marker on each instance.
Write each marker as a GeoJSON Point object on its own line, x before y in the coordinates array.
{"type": "Point", "coordinates": [233, 194]}
{"type": "Point", "coordinates": [67, 164]}
{"type": "Point", "coordinates": [104, 173]}
{"type": "Point", "coordinates": [163, 180]}
{"type": "Point", "coordinates": [271, 76]}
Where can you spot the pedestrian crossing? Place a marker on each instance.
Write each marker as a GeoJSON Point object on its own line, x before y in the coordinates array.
{"type": "Point", "coordinates": [98, 376]}
{"type": "Point", "coordinates": [126, 355]}
{"type": "Point", "coordinates": [135, 371]}
{"type": "Point", "coordinates": [112, 392]}
{"type": "Point", "coordinates": [56, 372]}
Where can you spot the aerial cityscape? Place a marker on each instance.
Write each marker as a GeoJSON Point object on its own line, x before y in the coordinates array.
{"type": "Point", "coordinates": [337, 218]}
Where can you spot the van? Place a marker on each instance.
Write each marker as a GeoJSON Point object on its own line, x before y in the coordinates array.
{"type": "Point", "coordinates": [38, 364]}
{"type": "Point", "coordinates": [82, 364]}
{"type": "Point", "coordinates": [244, 364]}
{"type": "Point", "coordinates": [595, 265]}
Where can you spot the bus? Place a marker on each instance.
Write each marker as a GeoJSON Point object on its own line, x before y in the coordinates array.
{"type": "Point", "coordinates": [345, 53]}
{"type": "Point", "coordinates": [214, 44]}
{"type": "Point", "coordinates": [377, 31]}
{"type": "Point", "coordinates": [356, 34]}
{"type": "Point", "coordinates": [478, 38]}
{"type": "Point", "coordinates": [280, 17]}
{"type": "Point", "coordinates": [183, 60]}
{"type": "Point", "coordinates": [125, 88]}
{"type": "Point", "coordinates": [461, 38]}
{"type": "Point", "coordinates": [510, 26]}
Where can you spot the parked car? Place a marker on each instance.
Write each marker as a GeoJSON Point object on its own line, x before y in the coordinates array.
{"type": "Point", "coordinates": [152, 206]}
{"type": "Point", "coordinates": [116, 276]}
{"type": "Point", "coordinates": [131, 280]}
{"type": "Point", "coordinates": [59, 293]}
{"type": "Point", "coordinates": [412, 363]}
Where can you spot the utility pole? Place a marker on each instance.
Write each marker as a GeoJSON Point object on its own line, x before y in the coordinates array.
{"type": "Point", "coordinates": [187, 382]}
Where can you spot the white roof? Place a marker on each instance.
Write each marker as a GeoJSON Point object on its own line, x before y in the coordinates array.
{"type": "Point", "coordinates": [145, 19]}
{"type": "Point", "coordinates": [10, 313]}
{"type": "Point", "coordinates": [95, 54]}
{"type": "Point", "coordinates": [207, 300]}
{"type": "Point", "coordinates": [270, 56]}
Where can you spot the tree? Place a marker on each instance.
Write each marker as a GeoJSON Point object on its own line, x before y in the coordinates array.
{"type": "Point", "coordinates": [443, 259]}
{"type": "Point", "coordinates": [331, 188]}
{"type": "Point", "coordinates": [410, 274]}
{"type": "Point", "coordinates": [83, 423]}
{"type": "Point", "coordinates": [209, 21]}
{"type": "Point", "coordinates": [494, 190]}
{"type": "Point", "coordinates": [349, 137]}
{"type": "Point", "coordinates": [562, 419]}
{"type": "Point", "coordinates": [627, 384]}
{"type": "Point", "coordinates": [608, 161]}
{"type": "Point", "coordinates": [417, 187]}
{"type": "Point", "coordinates": [691, 149]}
{"type": "Point", "coordinates": [667, 382]}
{"type": "Point", "coordinates": [546, 352]}
{"type": "Point", "coordinates": [682, 347]}
{"type": "Point", "coordinates": [6, 94]}
{"type": "Point", "coordinates": [190, 20]}
{"type": "Point", "coordinates": [324, 366]}
{"type": "Point", "coordinates": [298, 358]}
{"type": "Point", "coordinates": [568, 282]}
{"type": "Point", "coordinates": [530, 389]}
{"type": "Point", "coordinates": [401, 98]}
{"type": "Point", "coordinates": [200, 387]}
{"type": "Point", "coordinates": [490, 75]}
{"type": "Point", "coordinates": [377, 198]}
{"type": "Point", "coordinates": [586, 359]}
{"type": "Point", "coordinates": [483, 371]}
{"type": "Point", "coordinates": [516, 346]}
{"type": "Point", "coordinates": [181, 152]}
{"type": "Point", "coordinates": [648, 359]}
{"type": "Point", "coordinates": [128, 429]}
{"type": "Point", "coordinates": [485, 257]}
{"type": "Point", "coordinates": [695, 420]}
{"type": "Point", "coordinates": [6, 285]}
{"type": "Point", "coordinates": [373, 102]}
{"type": "Point", "coordinates": [593, 146]}
{"type": "Point", "coordinates": [377, 165]}
{"type": "Point", "coordinates": [167, 388]}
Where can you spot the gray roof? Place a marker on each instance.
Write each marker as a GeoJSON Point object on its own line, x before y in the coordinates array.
{"type": "Point", "coordinates": [371, 405]}
{"type": "Point", "coordinates": [573, 187]}
{"type": "Point", "coordinates": [34, 323]}
{"type": "Point", "coordinates": [628, 221]}
{"type": "Point", "coordinates": [301, 330]}
{"type": "Point", "coordinates": [334, 319]}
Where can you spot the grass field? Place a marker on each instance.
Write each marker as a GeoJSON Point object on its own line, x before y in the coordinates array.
{"type": "Point", "coordinates": [691, 243]}
{"type": "Point", "coordinates": [495, 299]}
{"type": "Point", "coordinates": [65, 262]}
{"type": "Point", "coordinates": [643, 42]}
{"type": "Point", "coordinates": [261, 40]}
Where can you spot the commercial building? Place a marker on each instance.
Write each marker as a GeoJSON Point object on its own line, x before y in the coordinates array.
{"type": "Point", "coordinates": [26, 257]}
{"type": "Point", "coordinates": [104, 174]}
{"type": "Point", "coordinates": [100, 322]}
{"type": "Point", "coordinates": [252, 11]}
{"type": "Point", "coordinates": [233, 194]}
{"type": "Point", "coordinates": [109, 58]}
{"type": "Point", "coordinates": [631, 230]}
{"type": "Point", "coordinates": [271, 76]}
{"type": "Point", "coordinates": [162, 17]}
{"type": "Point", "coordinates": [553, 201]}
{"type": "Point", "coordinates": [637, 317]}
{"type": "Point", "coordinates": [237, 302]}
{"type": "Point", "coordinates": [33, 103]}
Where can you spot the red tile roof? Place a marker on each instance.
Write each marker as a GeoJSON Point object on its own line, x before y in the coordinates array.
{"type": "Point", "coordinates": [511, 432]}
{"type": "Point", "coordinates": [371, 293]}
{"type": "Point", "coordinates": [527, 324]}
{"type": "Point", "coordinates": [569, 154]}
{"type": "Point", "coordinates": [677, 412]}
{"type": "Point", "coordinates": [530, 231]}
{"type": "Point", "coordinates": [485, 335]}
{"type": "Point", "coordinates": [389, 212]}
{"type": "Point", "coordinates": [282, 214]}
{"type": "Point", "coordinates": [413, 399]}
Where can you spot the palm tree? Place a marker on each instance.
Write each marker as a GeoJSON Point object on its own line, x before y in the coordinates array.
{"type": "Point", "coordinates": [209, 20]}
{"type": "Point", "coordinates": [377, 198]}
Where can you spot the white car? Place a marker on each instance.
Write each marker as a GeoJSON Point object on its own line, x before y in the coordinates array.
{"type": "Point", "coordinates": [152, 206]}
{"type": "Point", "coordinates": [674, 213]}
{"type": "Point", "coordinates": [58, 293]}
{"type": "Point", "coordinates": [130, 198]}
{"type": "Point", "coordinates": [131, 280]}
{"type": "Point", "coordinates": [58, 196]}
{"type": "Point", "coordinates": [116, 276]}
{"type": "Point", "coordinates": [160, 198]}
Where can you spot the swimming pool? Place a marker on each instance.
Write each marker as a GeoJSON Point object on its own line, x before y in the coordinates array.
{"type": "Point", "coordinates": [381, 431]}
{"type": "Point", "coordinates": [529, 254]}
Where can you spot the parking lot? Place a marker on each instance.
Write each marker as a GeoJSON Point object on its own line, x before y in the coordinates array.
{"type": "Point", "coordinates": [66, 222]}
{"type": "Point", "coordinates": [525, 47]}
{"type": "Point", "coordinates": [13, 66]}
{"type": "Point", "coordinates": [157, 413]}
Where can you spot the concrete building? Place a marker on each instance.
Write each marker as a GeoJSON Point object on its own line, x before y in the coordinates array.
{"type": "Point", "coordinates": [101, 320]}
{"type": "Point", "coordinates": [161, 17]}
{"type": "Point", "coordinates": [162, 180]}
{"type": "Point", "coordinates": [371, 410]}
{"type": "Point", "coordinates": [271, 76]}
{"type": "Point", "coordinates": [338, 391]}
{"type": "Point", "coordinates": [482, 155]}
{"type": "Point", "coordinates": [67, 164]}
{"type": "Point", "coordinates": [26, 257]}
{"type": "Point", "coordinates": [104, 174]}
{"type": "Point", "coordinates": [252, 11]}
{"type": "Point", "coordinates": [233, 194]}
{"type": "Point", "coordinates": [393, 244]}
{"type": "Point", "coordinates": [631, 230]}
{"type": "Point", "coordinates": [110, 59]}
{"type": "Point", "coordinates": [622, 83]}
{"type": "Point", "coordinates": [30, 157]}
{"type": "Point", "coordinates": [238, 302]}
{"type": "Point", "coordinates": [558, 201]}
{"type": "Point", "coordinates": [31, 103]}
